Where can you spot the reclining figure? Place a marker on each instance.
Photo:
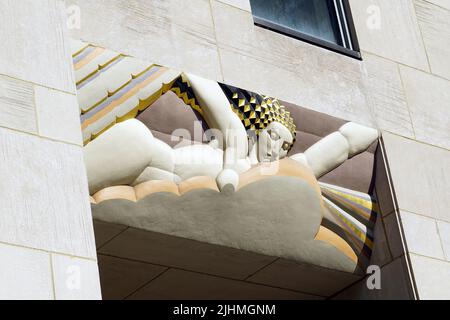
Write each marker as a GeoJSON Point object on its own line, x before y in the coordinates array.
{"type": "Point", "coordinates": [128, 153]}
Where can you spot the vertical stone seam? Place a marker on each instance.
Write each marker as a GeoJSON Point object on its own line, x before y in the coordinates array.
{"type": "Point", "coordinates": [52, 275]}
{"type": "Point", "coordinates": [366, 92]}
{"type": "Point", "coordinates": [437, 5]}
{"type": "Point", "coordinates": [234, 6]}
{"type": "Point", "coordinates": [403, 64]}
{"type": "Point", "coordinates": [407, 101]}
{"type": "Point", "coordinates": [421, 36]}
{"type": "Point", "coordinates": [36, 112]}
{"type": "Point", "coordinates": [222, 78]}
{"type": "Point", "coordinates": [444, 254]}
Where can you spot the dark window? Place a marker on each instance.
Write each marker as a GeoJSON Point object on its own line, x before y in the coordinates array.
{"type": "Point", "coordinates": [326, 23]}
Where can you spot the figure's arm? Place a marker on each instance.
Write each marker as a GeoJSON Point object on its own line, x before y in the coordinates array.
{"type": "Point", "coordinates": [334, 149]}
{"type": "Point", "coordinates": [218, 114]}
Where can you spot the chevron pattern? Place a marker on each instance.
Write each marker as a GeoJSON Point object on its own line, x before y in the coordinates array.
{"type": "Point", "coordinates": [256, 111]}
{"type": "Point", "coordinates": [113, 87]}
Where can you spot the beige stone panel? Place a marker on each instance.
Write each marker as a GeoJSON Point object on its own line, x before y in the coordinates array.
{"type": "Point", "coordinates": [429, 102]}
{"type": "Point", "coordinates": [325, 95]}
{"type": "Point", "coordinates": [24, 274]}
{"type": "Point", "coordinates": [75, 278]}
{"type": "Point", "coordinates": [422, 235]}
{"type": "Point", "coordinates": [270, 63]}
{"type": "Point", "coordinates": [173, 33]}
{"type": "Point", "coordinates": [444, 233]}
{"type": "Point", "coordinates": [17, 109]}
{"type": "Point", "coordinates": [43, 195]}
{"type": "Point", "coordinates": [389, 29]}
{"type": "Point", "coordinates": [442, 3]}
{"type": "Point", "coordinates": [419, 176]}
{"type": "Point", "coordinates": [34, 47]}
{"type": "Point", "coordinates": [435, 25]}
{"type": "Point", "coordinates": [235, 29]}
{"type": "Point", "coordinates": [386, 96]}
{"type": "Point", "coordinates": [241, 4]}
{"type": "Point", "coordinates": [58, 115]}
{"type": "Point", "coordinates": [432, 277]}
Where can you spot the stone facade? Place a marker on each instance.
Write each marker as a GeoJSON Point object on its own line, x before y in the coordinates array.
{"type": "Point", "coordinates": [401, 86]}
{"type": "Point", "coordinates": [47, 247]}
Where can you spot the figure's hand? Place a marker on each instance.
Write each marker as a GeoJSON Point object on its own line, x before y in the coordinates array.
{"type": "Point", "coordinates": [359, 137]}
{"type": "Point", "coordinates": [227, 180]}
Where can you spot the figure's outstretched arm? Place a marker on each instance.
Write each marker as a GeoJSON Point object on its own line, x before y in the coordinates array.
{"type": "Point", "coordinates": [334, 149]}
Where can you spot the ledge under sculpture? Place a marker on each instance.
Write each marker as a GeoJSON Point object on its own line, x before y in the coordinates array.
{"type": "Point", "coordinates": [237, 185]}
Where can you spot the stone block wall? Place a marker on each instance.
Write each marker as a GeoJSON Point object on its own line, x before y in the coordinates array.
{"type": "Point", "coordinates": [401, 86]}
{"type": "Point", "coordinates": [47, 246]}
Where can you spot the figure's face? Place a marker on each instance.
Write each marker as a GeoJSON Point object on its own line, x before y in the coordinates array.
{"type": "Point", "coordinates": [274, 142]}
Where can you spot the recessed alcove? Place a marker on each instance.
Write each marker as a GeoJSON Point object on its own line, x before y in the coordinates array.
{"type": "Point", "coordinates": [157, 240]}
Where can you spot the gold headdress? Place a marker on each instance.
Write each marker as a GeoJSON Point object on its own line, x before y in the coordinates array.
{"type": "Point", "coordinates": [256, 111]}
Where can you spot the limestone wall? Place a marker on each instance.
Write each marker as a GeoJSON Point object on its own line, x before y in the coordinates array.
{"type": "Point", "coordinates": [401, 86]}
{"type": "Point", "coordinates": [47, 247]}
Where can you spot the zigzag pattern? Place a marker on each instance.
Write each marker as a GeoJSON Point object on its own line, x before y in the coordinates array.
{"type": "Point", "coordinates": [256, 111]}
{"type": "Point", "coordinates": [182, 88]}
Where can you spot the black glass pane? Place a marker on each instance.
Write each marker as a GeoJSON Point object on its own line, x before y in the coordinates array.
{"type": "Point", "coordinates": [313, 17]}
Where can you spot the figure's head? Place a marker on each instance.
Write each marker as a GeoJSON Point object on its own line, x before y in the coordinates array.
{"type": "Point", "coordinates": [265, 119]}
{"type": "Point", "coordinates": [274, 142]}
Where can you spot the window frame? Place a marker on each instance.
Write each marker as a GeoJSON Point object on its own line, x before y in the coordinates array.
{"type": "Point", "coordinates": [346, 25]}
